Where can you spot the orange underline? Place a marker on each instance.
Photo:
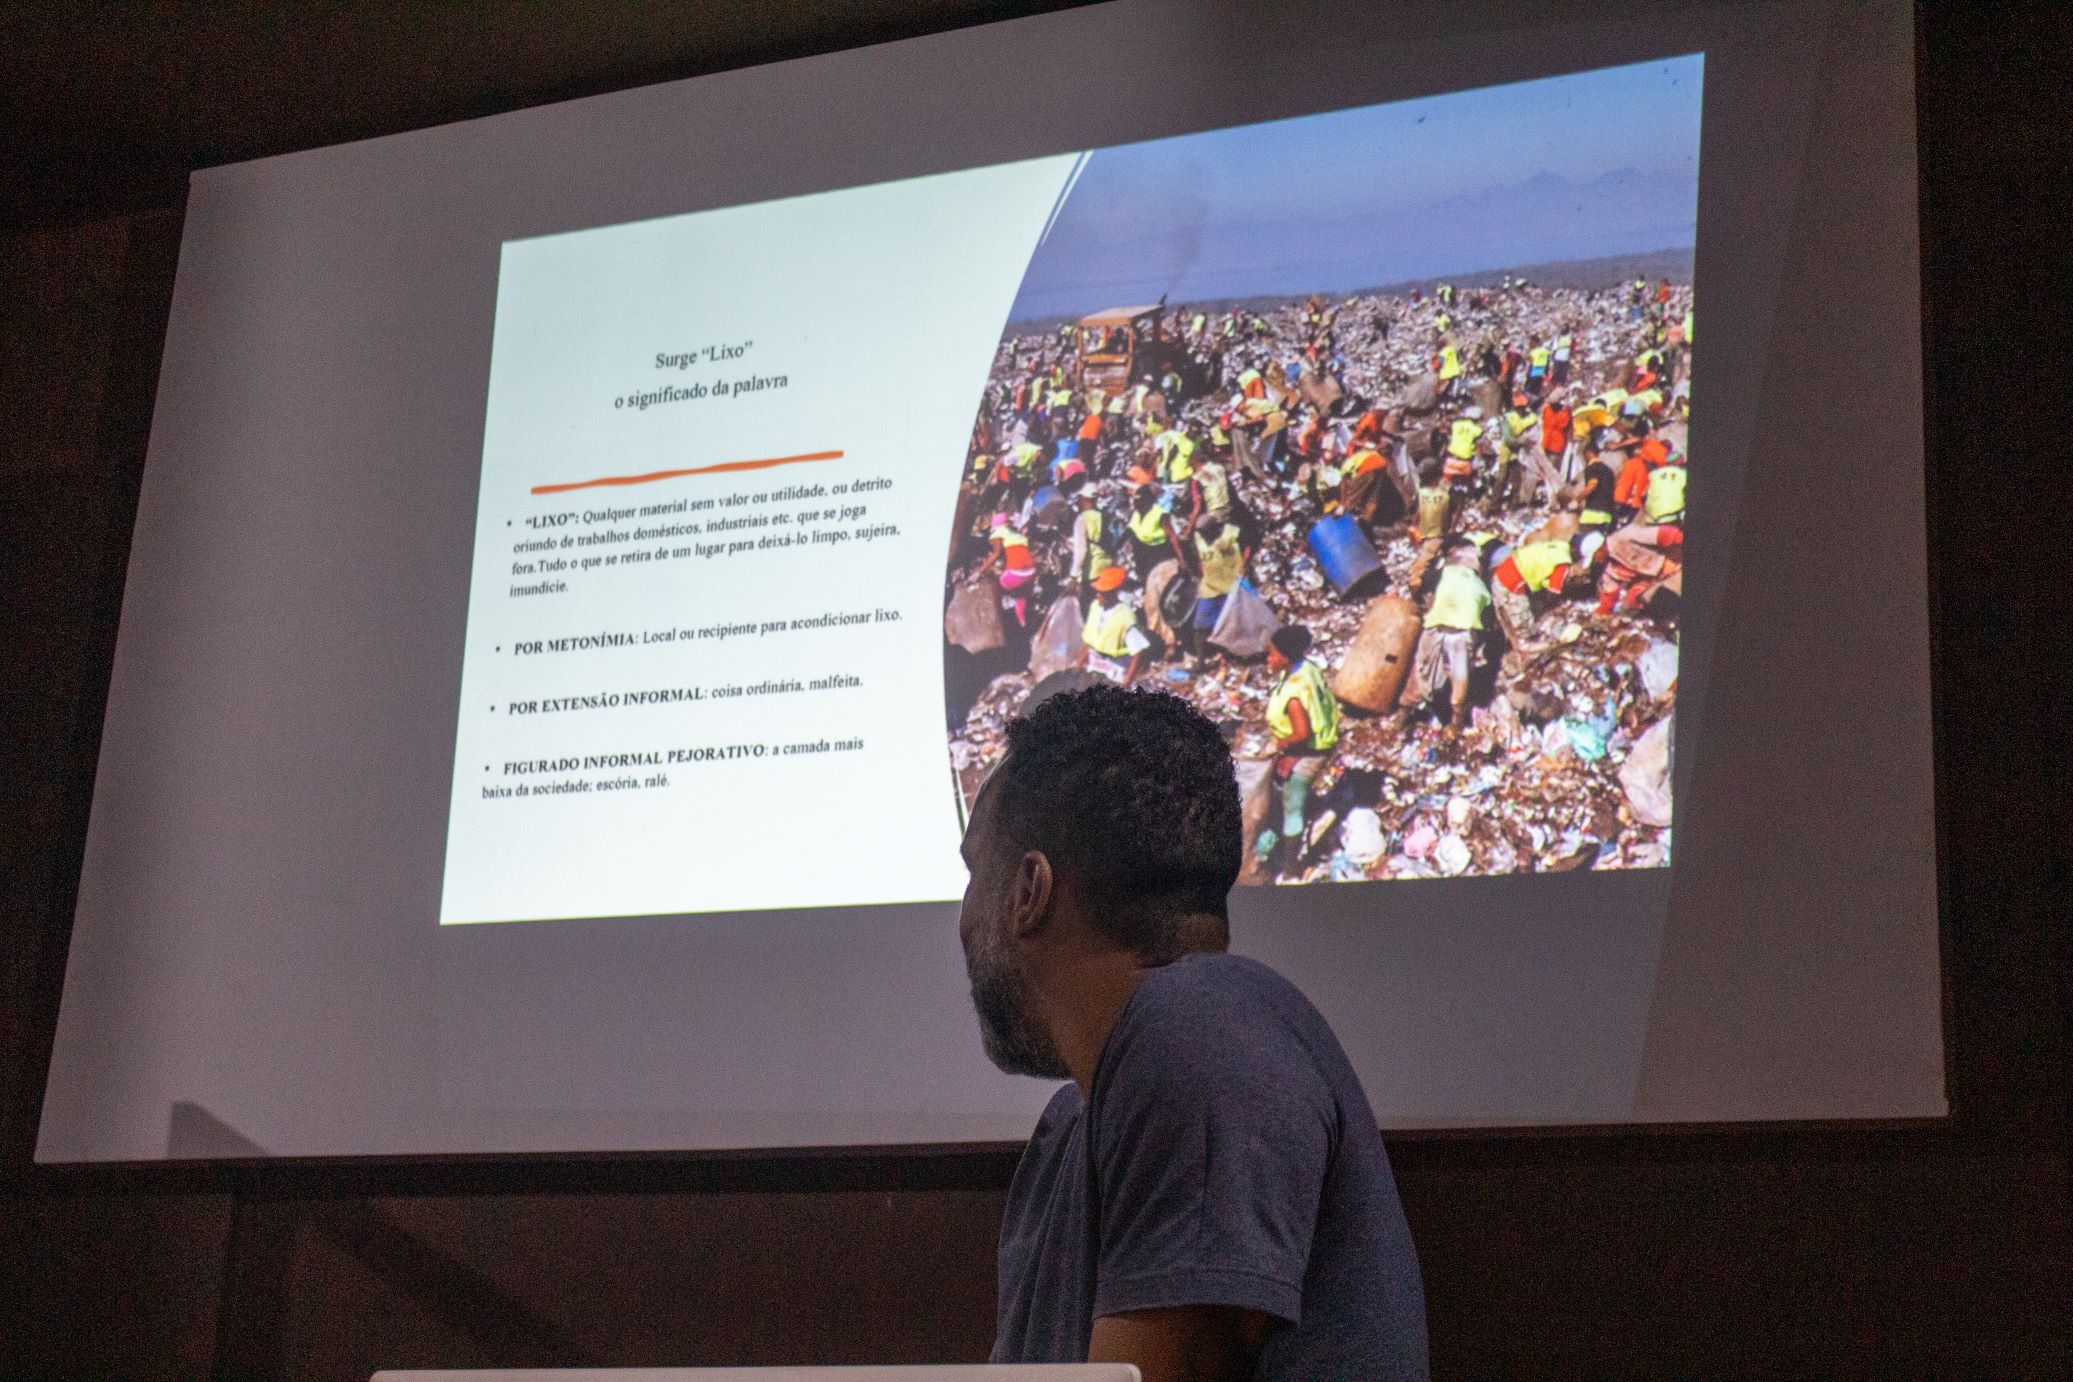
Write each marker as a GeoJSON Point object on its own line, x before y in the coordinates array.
{"type": "Point", "coordinates": [722, 467]}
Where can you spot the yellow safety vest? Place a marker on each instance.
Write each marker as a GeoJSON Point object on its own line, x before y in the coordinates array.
{"type": "Point", "coordinates": [1665, 498]}
{"type": "Point", "coordinates": [1461, 440]}
{"type": "Point", "coordinates": [1539, 357]}
{"type": "Point", "coordinates": [1216, 488]}
{"type": "Point", "coordinates": [1149, 527]}
{"type": "Point", "coordinates": [1450, 363]}
{"type": "Point", "coordinates": [1098, 559]}
{"type": "Point", "coordinates": [1687, 328]}
{"type": "Point", "coordinates": [1176, 449]}
{"type": "Point", "coordinates": [1223, 565]}
{"type": "Point", "coordinates": [1460, 600]}
{"type": "Point", "coordinates": [1025, 456]}
{"type": "Point", "coordinates": [1537, 562]}
{"type": "Point", "coordinates": [1305, 682]}
{"type": "Point", "coordinates": [1516, 426]}
{"type": "Point", "coordinates": [1107, 628]}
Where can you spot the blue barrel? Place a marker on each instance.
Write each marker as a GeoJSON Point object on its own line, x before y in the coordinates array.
{"type": "Point", "coordinates": [1049, 509]}
{"type": "Point", "coordinates": [1343, 550]}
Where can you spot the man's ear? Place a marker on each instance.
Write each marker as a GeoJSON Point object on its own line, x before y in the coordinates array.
{"type": "Point", "coordinates": [1029, 908]}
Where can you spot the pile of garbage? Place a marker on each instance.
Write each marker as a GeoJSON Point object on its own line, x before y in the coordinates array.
{"type": "Point", "coordinates": [1539, 781]}
{"type": "Point", "coordinates": [1566, 758]}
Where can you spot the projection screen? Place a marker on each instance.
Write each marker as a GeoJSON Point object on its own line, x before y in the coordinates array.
{"type": "Point", "coordinates": [587, 560]}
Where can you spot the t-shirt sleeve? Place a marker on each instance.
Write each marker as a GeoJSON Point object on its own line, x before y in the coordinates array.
{"type": "Point", "coordinates": [1213, 1147]}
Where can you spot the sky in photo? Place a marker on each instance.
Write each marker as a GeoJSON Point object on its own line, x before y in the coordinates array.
{"type": "Point", "coordinates": [1583, 166]}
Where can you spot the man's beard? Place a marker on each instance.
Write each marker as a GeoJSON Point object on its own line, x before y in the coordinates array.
{"type": "Point", "coordinates": [1014, 1039]}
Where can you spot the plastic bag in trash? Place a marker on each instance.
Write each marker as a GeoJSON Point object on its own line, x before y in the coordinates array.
{"type": "Point", "coordinates": [1152, 603]}
{"type": "Point", "coordinates": [1245, 624]}
{"type": "Point", "coordinates": [1645, 776]}
{"type": "Point", "coordinates": [1177, 601]}
{"type": "Point", "coordinates": [1586, 738]}
{"type": "Point", "coordinates": [1423, 395]}
{"type": "Point", "coordinates": [1364, 842]}
{"type": "Point", "coordinates": [1255, 800]}
{"type": "Point", "coordinates": [1057, 643]}
{"type": "Point", "coordinates": [1658, 668]}
{"type": "Point", "coordinates": [972, 620]}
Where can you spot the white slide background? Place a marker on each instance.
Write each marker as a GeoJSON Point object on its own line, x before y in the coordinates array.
{"type": "Point", "coordinates": [882, 307]}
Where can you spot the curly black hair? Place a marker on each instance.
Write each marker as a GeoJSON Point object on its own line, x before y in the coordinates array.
{"type": "Point", "coordinates": [1131, 795]}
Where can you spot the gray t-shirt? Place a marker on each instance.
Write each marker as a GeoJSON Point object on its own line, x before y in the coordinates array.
{"type": "Point", "coordinates": [1226, 1156]}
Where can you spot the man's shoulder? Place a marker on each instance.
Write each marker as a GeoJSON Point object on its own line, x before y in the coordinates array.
{"type": "Point", "coordinates": [1205, 1009]}
{"type": "Point", "coordinates": [1049, 1140]}
{"type": "Point", "coordinates": [1215, 979]}
{"type": "Point", "coordinates": [1060, 1111]}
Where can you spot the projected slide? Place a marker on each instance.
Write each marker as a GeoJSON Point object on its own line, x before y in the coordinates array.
{"type": "Point", "coordinates": [1366, 432]}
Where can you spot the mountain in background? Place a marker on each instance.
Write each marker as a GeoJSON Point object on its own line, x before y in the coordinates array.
{"type": "Point", "coordinates": [1286, 250]}
{"type": "Point", "coordinates": [1584, 275]}
{"type": "Point", "coordinates": [1580, 274]}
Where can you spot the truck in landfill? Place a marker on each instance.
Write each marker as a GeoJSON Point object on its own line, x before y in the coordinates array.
{"type": "Point", "coordinates": [1119, 345]}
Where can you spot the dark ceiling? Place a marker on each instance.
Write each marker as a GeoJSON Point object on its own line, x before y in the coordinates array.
{"type": "Point", "coordinates": [106, 107]}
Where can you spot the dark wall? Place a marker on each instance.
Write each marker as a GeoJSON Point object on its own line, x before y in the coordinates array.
{"type": "Point", "coordinates": [1919, 1251]}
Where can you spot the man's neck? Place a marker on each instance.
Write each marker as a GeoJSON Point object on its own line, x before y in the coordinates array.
{"type": "Point", "coordinates": [1082, 1002]}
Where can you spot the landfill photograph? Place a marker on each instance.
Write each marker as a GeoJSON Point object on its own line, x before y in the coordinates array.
{"type": "Point", "coordinates": [1366, 434]}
